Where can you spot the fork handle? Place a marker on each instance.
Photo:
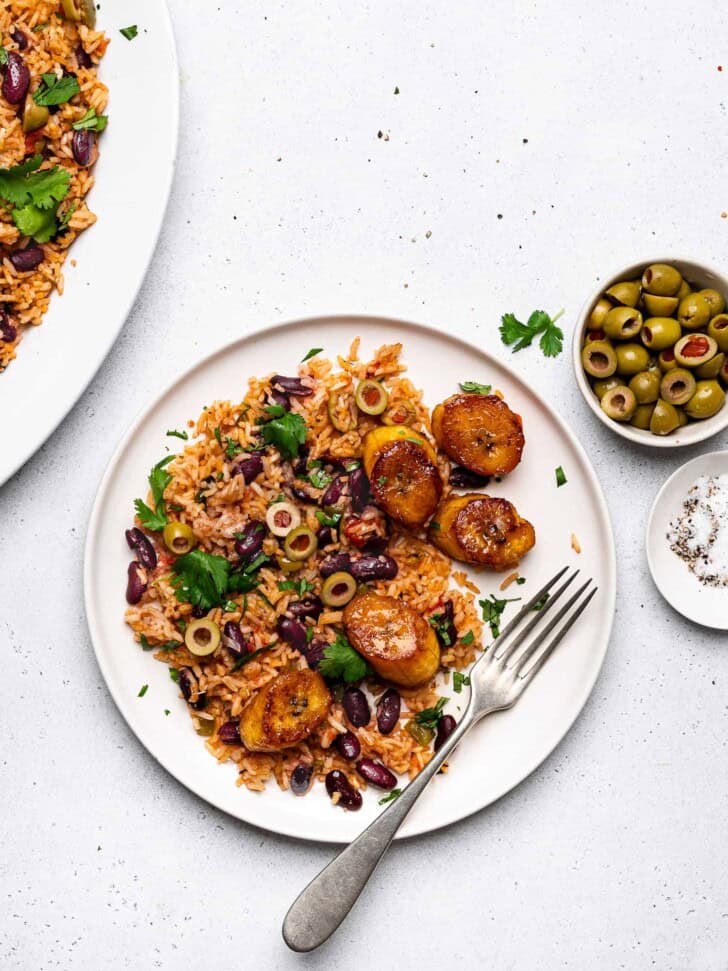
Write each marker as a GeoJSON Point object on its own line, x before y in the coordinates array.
{"type": "Point", "coordinates": [324, 903]}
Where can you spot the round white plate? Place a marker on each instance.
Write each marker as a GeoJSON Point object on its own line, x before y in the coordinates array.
{"type": "Point", "coordinates": [504, 748]}
{"type": "Point", "coordinates": [56, 361]}
{"type": "Point", "coordinates": [682, 590]}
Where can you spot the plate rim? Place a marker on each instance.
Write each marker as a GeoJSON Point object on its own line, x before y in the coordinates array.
{"type": "Point", "coordinates": [656, 502]}
{"type": "Point", "coordinates": [36, 442]}
{"type": "Point", "coordinates": [357, 320]}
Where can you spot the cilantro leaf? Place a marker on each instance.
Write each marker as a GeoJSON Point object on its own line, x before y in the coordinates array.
{"type": "Point", "coordinates": [312, 353]}
{"type": "Point", "coordinates": [472, 387]}
{"type": "Point", "coordinates": [515, 332]}
{"type": "Point", "coordinates": [166, 646]}
{"type": "Point", "coordinates": [56, 91]}
{"type": "Point", "coordinates": [341, 662]}
{"type": "Point", "coordinates": [430, 717]}
{"type": "Point", "coordinates": [319, 478]}
{"type": "Point", "coordinates": [286, 430]}
{"type": "Point", "coordinates": [246, 658]}
{"type": "Point", "coordinates": [232, 448]}
{"type": "Point", "coordinates": [91, 121]}
{"type": "Point", "coordinates": [467, 638]}
{"type": "Point", "coordinates": [158, 482]}
{"type": "Point", "coordinates": [542, 601]}
{"type": "Point", "coordinates": [560, 477]}
{"type": "Point", "coordinates": [392, 795]}
{"type": "Point", "coordinates": [3, 56]}
{"type": "Point", "coordinates": [245, 580]}
{"type": "Point", "coordinates": [173, 433]}
{"type": "Point", "coordinates": [41, 224]}
{"type": "Point", "coordinates": [143, 690]}
{"type": "Point", "coordinates": [66, 217]}
{"type": "Point", "coordinates": [22, 184]}
{"type": "Point", "coordinates": [458, 680]}
{"type": "Point", "coordinates": [129, 32]}
{"type": "Point", "coordinates": [201, 579]}
{"type": "Point", "coordinates": [493, 610]}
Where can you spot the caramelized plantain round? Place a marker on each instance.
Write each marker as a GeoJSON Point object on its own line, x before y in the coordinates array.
{"type": "Point", "coordinates": [398, 643]}
{"type": "Point", "coordinates": [285, 711]}
{"type": "Point", "coordinates": [479, 432]}
{"type": "Point", "coordinates": [403, 475]}
{"type": "Point", "coordinates": [482, 530]}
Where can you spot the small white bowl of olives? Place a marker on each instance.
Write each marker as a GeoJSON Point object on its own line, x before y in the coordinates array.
{"type": "Point", "coordinates": [650, 352]}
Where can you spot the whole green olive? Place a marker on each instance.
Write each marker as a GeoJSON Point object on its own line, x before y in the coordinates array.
{"type": "Point", "coordinates": [625, 294]}
{"type": "Point", "coordinates": [642, 416]}
{"type": "Point", "coordinates": [657, 306]}
{"type": "Point", "coordinates": [707, 400]}
{"type": "Point", "coordinates": [718, 330]}
{"type": "Point", "coordinates": [599, 311]}
{"type": "Point", "coordinates": [631, 358]}
{"type": "Point", "coordinates": [622, 323]}
{"type": "Point", "coordinates": [716, 301]}
{"type": "Point", "coordinates": [599, 359]}
{"type": "Point", "coordinates": [677, 386]}
{"type": "Point", "coordinates": [666, 359]}
{"type": "Point", "coordinates": [619, 403]}
{"type": "Point", "coordinates": [660, 332]}
{"type": "Point", "coordinates": [684, 290]}
{"type": "Point", "coordinates": [662, 279]}
{"type": "Point", "coordinates": [646, 387]}
{"type": "Point", "coordinates": [724, 372]}
{"type": "Point", "coordinates": [601, 387]}
{"type": "Point", "coordinates": [693, 312]}
{"type": "Point", "coordinates": [665, 418]}
{"type": "Point", "coordinates": [682, 417]}
{"type": "Point", "coordinates": [711, 368]}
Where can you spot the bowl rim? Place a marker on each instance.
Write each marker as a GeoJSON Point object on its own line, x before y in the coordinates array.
{"type": "Point", "coordinates": [697, 431]}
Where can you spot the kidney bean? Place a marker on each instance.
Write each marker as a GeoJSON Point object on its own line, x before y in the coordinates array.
{"type": "Point", "coordinates": [301, 493]}
{"type": "Point", "coordinates": [310, 606]}
{"type": "Point", "coordinates": [234, 639]}
{"type": "Point", "coordinates": [301, 779]}
{"type": "Point", "coordinates": [20, 39]}
{"type": "Point", "coordinates": [293, 386]}
{"type": "Point", "coordinates": [27, 259]}
{"type": "Point", "coordinates": [198, 612]}
{"type": "Point", "coordinates": [300, 463]}
{"type": "Point", "coordinates": [8, 330]}
{"type": "Point", "coordinates": [250, 541]}
{"type": "Point", "coordinates": [376, 546]}
{"type": "Point", "coordinates": [292, 632]}
{"type": "Point", "coordinates": [82, 58]}
{"type": "Point", "coordinates": [446, 631]}
{"type": "Point", "coordinates": [388, 711]}
{"type": "Point", "coordinates": [377, 774]}
{"type": "Point", "coordinates": [249, 467]}
{"type": "Point", "coordinates": [17, 79]}
{"type": "Point", "coordinates": [314, 652]}
{"type": "Point", "coordinates": [349, 797]}
{"type": "Point", "coordinates": [190, 687]}
{"type": "Point", "coordinates": [465, 479]}
{"type": "Point", "coordinates": [83, 145]}
{"type": "Point", "coordinates": [374, 568]}
{"type": "Point", "coordinates": [446, 726]}
{"type": "Point", "coordinates": [356, 707]}
{"type": "Point", "coordinates": [325, 536]}
{"type": "Point", "coordinates": [334, 492]}
{"type": "Point", "coordinates": [136, 583]}
{"type": "Point", "coordinates": [335, 563]}
{"type": "Point", "coordinates": [279, 398]}
{"type": "Point", "coordinates": [230, 733]}
{"type": "Point", "coordinates": [144, 549]}
{"type": "Point", "coordinates": [358, 489]}
{"type": "Point", "coordinates": [348, 746]}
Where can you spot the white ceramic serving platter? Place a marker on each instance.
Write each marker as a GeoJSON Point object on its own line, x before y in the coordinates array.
{"type": "Point", "coordinates": [504, 748]}
{"type": "Point", "coordinates": [56, 361]}
{"type": "Point", "coordinates": [682, 590]}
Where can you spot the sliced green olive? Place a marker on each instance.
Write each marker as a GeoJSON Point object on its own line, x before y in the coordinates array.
{"type": "Point", "coordinates": [338, 589]}
{"type": "Point", "coordinates": [625, 294]}
{"type": "Point", "coordinates": [300, 543]}
{"type": "Point", "coordinates": [693, 311]}
{"type": "Point", "coordinates": [206, 725]}
{"type": "Point", "coordinates": [403, 413]}
{"type": "Point", "coordinates": [646, 387]}
{"type": "Point", "coordinates": [665, 418]}
{"type": "Point", "coordinates": [342, 411]}
{"type": "Point", "coordinates": [202, 637]}
{"type": "Point", "coordinates": [290, 566]}
{"type": "Point", "coordinates": [660, 332]}
{"type": "Point", "coordinates": [598, 359]}
{"type": "Point", "coordinates": [179, 538]}
{"type": "Point", "coordinates": [707, 400]}
{"type": "Point", "coordinates": [677, 386]}
{"type": "Point", "coordinates": [619, 403]}
{"type": "Point", "coordinates": [724, 372]}
{"type": "Point", "coordinates": [711, 368]}
{"type": "Point", "coordinates": [666, 359]}
{"type": "Point", "coordinates": [642, 417]}
{"type": "Point", "coordinates": [622, 323]}
{"type": "Point", "coordinates": [657, 306]}
{"type": "Point", "coordinates": [34, 116]}
{"type": "Point", "coordinates": [600, 388]}
{"type": "Point", "coordinates": [371, 397]}
{"type": "Point", "coordinates": [715, 300]}
{"type": "Point", "coordinates": [282, 517]}
{"type": "Point", "coordinates": [662, 279]}
{"type": "Point", "coordinates": [599, 311]}
{"type": "Point", "coordinates": [631, 358]}
{"type": "Point", "coordinates": [692, 350]}
{"type": "Point", "coordinates": [718, 330]}
{"type": "Point", "coordinates": [80, 11]}
{"type": "Point", "coordinates": [420, 733]}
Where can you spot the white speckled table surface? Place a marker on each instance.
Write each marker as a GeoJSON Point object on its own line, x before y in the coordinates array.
{"type": "Point", "coordinates": [531, 149]}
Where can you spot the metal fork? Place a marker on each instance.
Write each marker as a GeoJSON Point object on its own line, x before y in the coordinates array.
{"type": "Point", "coordinates": [497, 681]}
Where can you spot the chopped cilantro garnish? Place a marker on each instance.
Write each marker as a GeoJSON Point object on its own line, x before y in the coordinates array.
{"type": "Point", "coordinates": [166, 711]}
{"type": "Point", "coordinates": [159, 479]}
{"type": "Point", "coordinates": [472, 387]}
{"type": "Point", "coordinates": [218, 436]}
{"type": "Point", "coordinates": [38, 28]}
{"type": "Point", "coordinates": [391, 796]}
{"type": "Point", "coordinates": [513, 331]}
{"type": "Point", "coordinates": [166, 646]}
{"type": "Point", "coordinates": [341, 661]}
{"type": "Point", "coordinates": [66, 217]}
{"type": "Point", "coordinates": [560, 477]}
{"type": "Point", "coordinates": [302, 586]}
{"type": "Point", "coordinates": [245, 580]}
{"type": "Point", "coordinates": [468, 638]}
{"type": "Point", "coordinates": [35, 196]}
{"type": "Point", "coordinates": [312, 353]}
{"type": "Point", "coordinates": [430, 717]}
{"type": "Point", "coordinates": [541, 602]}
{"type": "Point", "coordinates": [129, 32]}
{"type": "Point", "coordinates": [174, 674]}
{"type": "Point", "coordinates": [318, 477]}
{"type": "Point", "coordinates": [201, 578]}
{"type": "Point", "coordinates": [173, 433]}
{"type": "Point", "coordinates": [232, 448]}
{"type": "Point", "coordinates": [333, 520]}
{"type": "Point", "coordinates": [520, 581]}
{"type": "Point", "coordinates": [3, 56]}
{"type": "Point", "coordinates": [458, 680]}
{"type": "Point", "coordinates": [434, 525]}
{"type": "Point", "coordinates": [246, 658]}
{"type": "Point", "coordinates": [284, 429]}
{"type": "Point", "coordinates": [56, 91]}
{"type": "Point", "coordinates": [442, 627]}
{"type": "Point", "coordinates": [493, 610]}
{"type": "Point", "coordinates": [91, 121]}
{"type": "Point", "coordinates": [143, 690]}
{"type": "Point", "coordinates": [381, 480]}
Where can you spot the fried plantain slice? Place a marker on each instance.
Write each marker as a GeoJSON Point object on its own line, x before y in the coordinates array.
{"type": "Point", "coordinates": [479, 432]}
{"type": "Point", "coordinates": [403, 474]}
{"type": "Point", "coordinates": [285, 711]}
{"type": "Point", "coordinates": [482, 530]}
